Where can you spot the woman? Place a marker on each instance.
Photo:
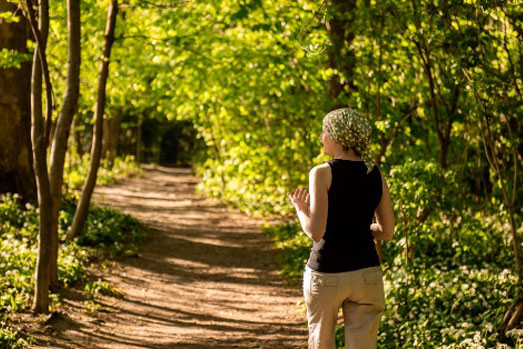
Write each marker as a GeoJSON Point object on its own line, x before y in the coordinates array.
{"type": "Point", "coordinates": [343, 269]}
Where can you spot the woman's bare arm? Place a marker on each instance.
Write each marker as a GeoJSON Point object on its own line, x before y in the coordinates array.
{"type": "Point", "coordinates": [384, 228]}
{"type": "Point", "coordinates": [319, 177]}
{"type": "Point", "coordinates": [312, 210]}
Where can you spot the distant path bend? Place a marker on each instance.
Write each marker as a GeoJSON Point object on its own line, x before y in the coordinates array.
{"type": "Point", "coordinates": [207, 279]}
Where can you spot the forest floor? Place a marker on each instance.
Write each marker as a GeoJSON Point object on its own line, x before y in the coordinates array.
{"type": "Point", "coordinates": [206, 279]}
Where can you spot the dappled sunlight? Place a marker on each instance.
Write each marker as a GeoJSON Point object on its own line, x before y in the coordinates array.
{"type": "Point", "coordinates": [206, 279]}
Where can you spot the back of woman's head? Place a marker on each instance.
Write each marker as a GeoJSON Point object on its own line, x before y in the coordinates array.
{"type": "Point", "coordinates": [352, 130]}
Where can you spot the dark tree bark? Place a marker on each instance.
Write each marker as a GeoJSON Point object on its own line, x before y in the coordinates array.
{"type": "Point", "coordinates": [106, 137]}
{"type": "Point", "coordinates": [39, 146]}
{"type": "Point", "coordinates": [111, 135]}
{"type": "Point", "coordinates": [77, 139]}
{"type": "Point", "coordinates": [442, 121]}
{"type": "Point", "coordinates": [16, 158]}
{"type": "Point", "coordinates": [340, 54]}
{"type": "Point", "coordinates": [96, 148]}
{"type": "Point", "coordinates": [63, 127]}
{"type": "Point", "coordinates": [115, 134]}
{"type": "Point", "coordinates": [139, 140]}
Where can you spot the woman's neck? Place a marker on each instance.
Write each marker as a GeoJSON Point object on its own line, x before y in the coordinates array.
{"type": "Point", "coordinates": [347, 155]}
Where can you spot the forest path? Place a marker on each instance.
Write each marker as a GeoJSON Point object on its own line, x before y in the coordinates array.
{"type": "Point", "coordinates": [207, 279]}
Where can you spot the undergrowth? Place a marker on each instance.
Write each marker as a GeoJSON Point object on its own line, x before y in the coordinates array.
{"type": "Point", "coordinates": [451, 294]}
{"type": "Point", "coordinates": [108, 234]}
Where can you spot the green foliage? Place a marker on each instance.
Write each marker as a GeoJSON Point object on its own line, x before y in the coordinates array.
{"type": "Point", "coordinates": [9, 17]}
{"type": "Point", "coordinates": [94, 288]}
{"type": "Point", "coordinates": [424, 202]}
{"type": "Point", "coordinates": [10, 337]}
{"type": "Point", "coordinates": [13, 58]}
{"type": "Point", "coordinates": [76, 168]}
{"type": "Point", "coordinates": [109, 228]}
{"type": "Point", "coordinates": [294, 247]}
{"type": "Point", "coordinates": [450, 304]}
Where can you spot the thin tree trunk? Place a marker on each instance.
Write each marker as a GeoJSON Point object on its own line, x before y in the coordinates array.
{"type": "Point", "coordinates": [96, 148]}
{"type": "Point", "coordinates": [106, 137]}
{"type": "Point", "coordinates": [63, 127]}
{"type": "Point", "coordinates": [40, 32]}
{"type": "Point", "coordinates": [115, 134]}
{"type": "Point", "coordinates": [42, 276]}
{"type": "Point", "coordinates": [77, 138]}
{"type": "Point", "coordinates": [425, 55]}
{"type": "Point", "coordinates": [139, 140]}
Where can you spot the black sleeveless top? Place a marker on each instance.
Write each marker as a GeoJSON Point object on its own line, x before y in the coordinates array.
{"type": "Point", "coordinates": [353, 197]}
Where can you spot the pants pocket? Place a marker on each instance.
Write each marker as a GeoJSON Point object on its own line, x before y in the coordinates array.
{"type": "Point", "coordinates": [373, 287]}
{"type": "Point", "coordinates": [322, 282]}
{"type": "Point", "coordinates": [372, 278]}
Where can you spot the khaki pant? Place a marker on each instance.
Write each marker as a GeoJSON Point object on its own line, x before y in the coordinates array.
{"type": "Point", "coordinates": [361, 295]}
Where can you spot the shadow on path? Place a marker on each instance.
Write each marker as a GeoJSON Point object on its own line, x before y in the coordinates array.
{"type": "Point", "coordinates": [206, 279]}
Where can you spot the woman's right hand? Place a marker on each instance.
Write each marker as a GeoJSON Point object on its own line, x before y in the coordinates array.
{"type": "Point", "coordinates": [300, 200]}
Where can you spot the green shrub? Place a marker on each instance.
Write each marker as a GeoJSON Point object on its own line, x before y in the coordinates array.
{"type": "Point", "coordinates": [294, 247]}
{"type": "Point", "coordinates": [108, 228]}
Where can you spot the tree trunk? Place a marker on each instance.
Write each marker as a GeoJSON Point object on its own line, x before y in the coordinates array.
{"type": "Point", "coordinates": [77, 139]}
{"type": "Point", "coordinates": [341, 35]}
{"type": "Point", "coordinates": [96, 148]}
{"type": "Point", "coordinates": [106, 137]}
{"type": "Point", "coordinates": [424, 51]}
{"type": "Point", "coordinates": [16, 158]}
{"type": "Point", "coordinates": [39, 146]}
{"type": "Point", "coordinates": [63, 127]}
{"type": "Point", "coordinates": [115, 134]}
{"type": "Point", "coordinates": [139, 140]}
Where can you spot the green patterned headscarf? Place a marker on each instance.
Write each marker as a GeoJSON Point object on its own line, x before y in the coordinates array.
{"type": "Point", "coordinates": [348, 128]}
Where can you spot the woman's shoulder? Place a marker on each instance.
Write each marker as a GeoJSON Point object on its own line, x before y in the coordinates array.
{"type": "Point", "coordinates": [322, 172]}
{"type": "Point", "coordinates": [321, 168]}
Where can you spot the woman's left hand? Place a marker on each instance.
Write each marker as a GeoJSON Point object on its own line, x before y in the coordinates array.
{"type": "Point", "coordinates": [300, 200]}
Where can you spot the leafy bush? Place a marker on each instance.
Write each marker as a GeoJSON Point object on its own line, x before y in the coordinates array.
{"type": "Point", "coordinates": [109, 229]}
{"type": "Point", "coordinates": [294, 248]}
{"type": "Point", "coordinates": [425, 205]}
{"type": "Point", "coordinates": [251, 178]}
{"type": "Point", "coordinates": [105, 227]}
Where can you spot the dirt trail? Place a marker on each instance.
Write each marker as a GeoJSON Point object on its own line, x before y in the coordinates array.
{"type": "Point", "coordinates": [207, 279]}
